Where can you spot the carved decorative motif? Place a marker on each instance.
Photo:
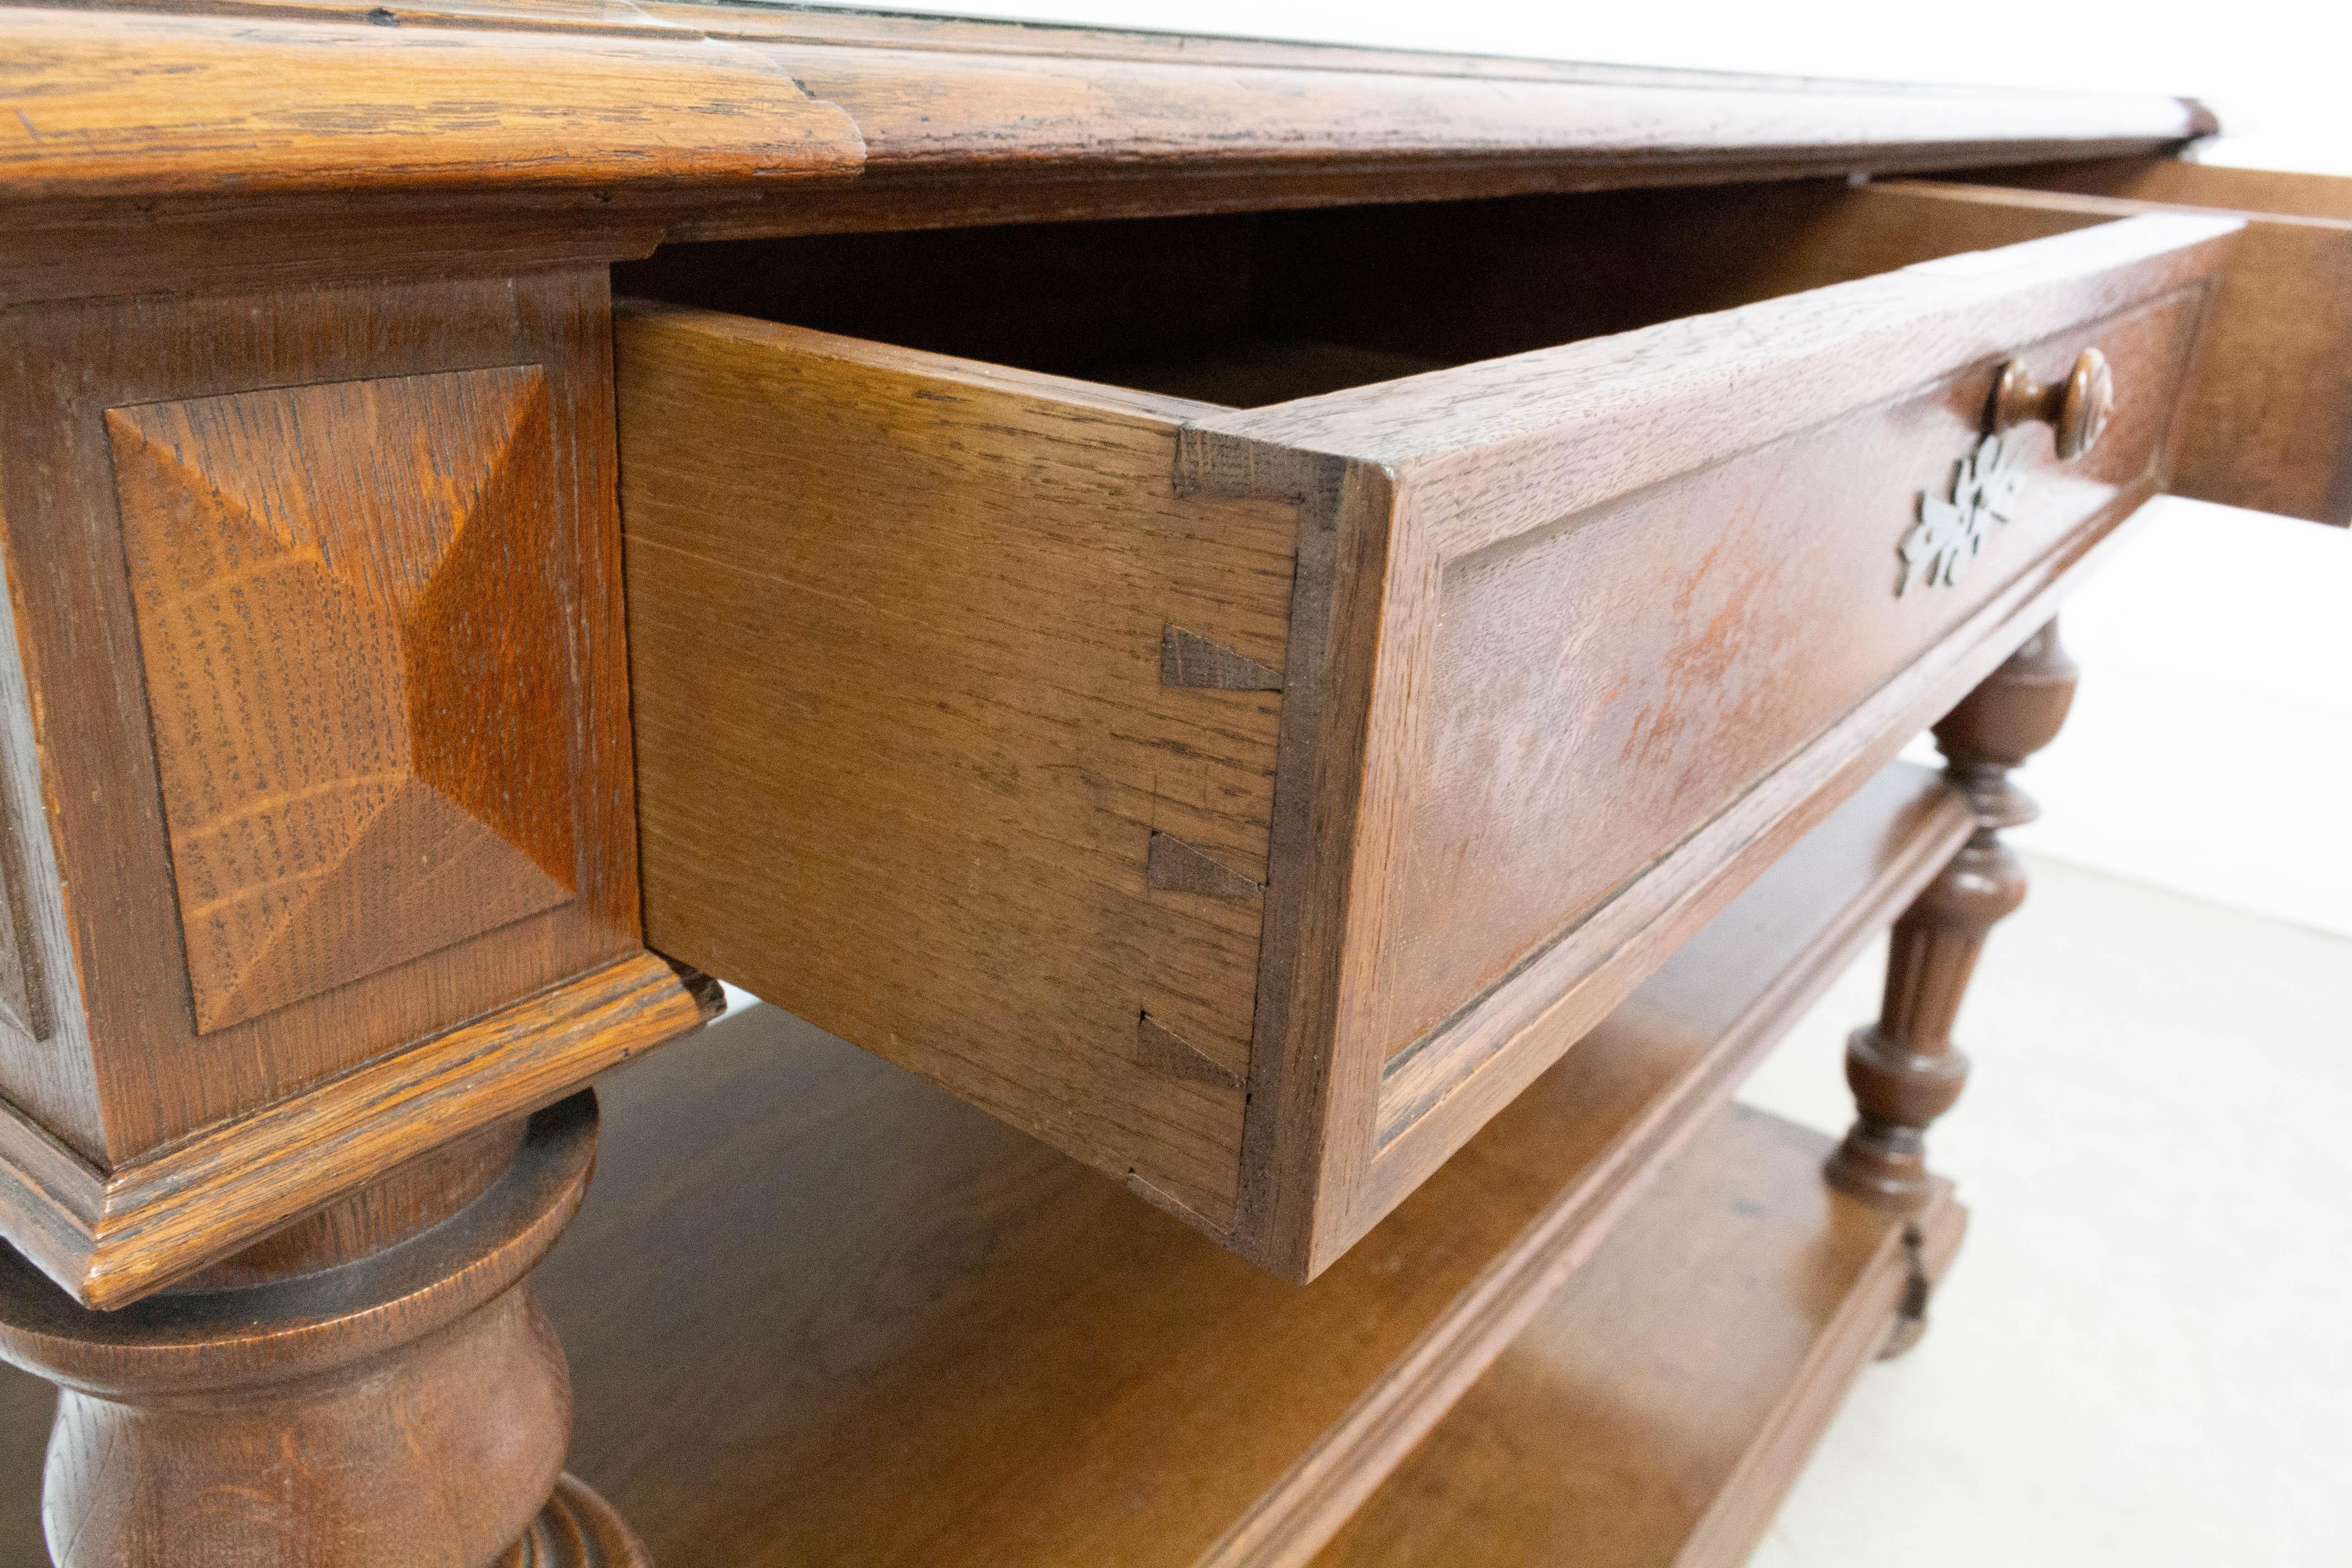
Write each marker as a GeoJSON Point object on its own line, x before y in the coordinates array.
{"type": "Point", "coordinates": [353, 648]}
{"type": "Point", "coordinates": [1950, 534]}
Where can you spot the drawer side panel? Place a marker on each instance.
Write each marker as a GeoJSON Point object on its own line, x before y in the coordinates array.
{"type": "Point", "coordinates": [939, 739]}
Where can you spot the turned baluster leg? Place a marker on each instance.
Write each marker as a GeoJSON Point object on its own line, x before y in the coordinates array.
{"type": "Point", "coordinates": [372, 1385]}
{"type": "Point", "coordinates": [1903, 1069]}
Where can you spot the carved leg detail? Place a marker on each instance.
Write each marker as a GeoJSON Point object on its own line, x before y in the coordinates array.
{"type": "Point", "coordinates": [1903, 1069]}
{"type": "Point", "coordinates": [577, 1529]}
{"type": "Point", "coordinates": [374, 1385]}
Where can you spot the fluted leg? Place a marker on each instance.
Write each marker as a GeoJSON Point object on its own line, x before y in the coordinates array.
{"type": "Point", "coordinates": [1904, 1068]}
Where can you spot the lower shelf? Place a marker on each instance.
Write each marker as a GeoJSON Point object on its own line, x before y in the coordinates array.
{"type": "Point", "coordinates": [1657, 1409]}
{"type": "Point", "coordinates": [821, 1313]}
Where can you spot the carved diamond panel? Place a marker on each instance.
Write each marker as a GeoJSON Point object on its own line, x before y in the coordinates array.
{"type": "Point", "coordinates": [354, 637]}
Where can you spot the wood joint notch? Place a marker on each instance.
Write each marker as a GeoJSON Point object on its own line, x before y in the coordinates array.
{"type": "Point", "coordinates": [1162, 1050]}
{"type": "Point", "coordinates": [1173, 866]}
{"type": "Point", "coordinates": [1188, 659]}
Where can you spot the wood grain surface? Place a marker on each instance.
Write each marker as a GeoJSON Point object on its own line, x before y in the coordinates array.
{"type": "Point", "coordinates": [917, 1337]}
{"type": "Point", "coordinates": [408, 1405]}
{"type": "Point", "coordinates": [109, 103]}
{"type": "Point", "coordinates": [2176, 182]}
{"type": "Point", "coordinates": [1568, 476]}
{"type": "Point", "coordinates": [413, 1197]}
{"type": "Point", "coordinates": [1554, 618]}
{"type": "Point", "coordinates": [904, 741]}
{"type": "Point", "coordinates": [1657, 1408]}
{"type": "Point", "coordinates": [700, 102]}
{"type": "Point", "coordinates": [171, 713]}
{"type": "Point", "coordinates": [109, 1237]}
{"type": "Point", "coordinates": [1903, 1068]}
{"type": "Point", "coordinates": [316, 833]}
{"type": "Point", "coordinates": [1167, 125]}
{"type": "Point", "coordinates": [351, 649]}
{"type": "Point", "coordinates": [1702, 653]}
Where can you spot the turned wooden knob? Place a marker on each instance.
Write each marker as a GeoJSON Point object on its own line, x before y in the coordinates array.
{"type": "Point", "coordinates": [2076, 409]}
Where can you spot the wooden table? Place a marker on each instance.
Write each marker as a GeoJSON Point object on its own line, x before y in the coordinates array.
{"type": "Point", "coordinates": [1320, 633]}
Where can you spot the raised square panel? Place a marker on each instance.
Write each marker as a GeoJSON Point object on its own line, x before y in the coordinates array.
{"type": "Point", "coordinates": [351, 639]}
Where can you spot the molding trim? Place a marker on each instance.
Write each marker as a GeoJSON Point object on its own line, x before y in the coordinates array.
{"type": "Point", "coordinates": [109, 1237]}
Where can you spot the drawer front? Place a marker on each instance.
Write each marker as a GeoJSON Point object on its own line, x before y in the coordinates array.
{"type": "Point", "coordinates": [1619, 619]}
{"type": "Point", "coordinates": [1599, 689]}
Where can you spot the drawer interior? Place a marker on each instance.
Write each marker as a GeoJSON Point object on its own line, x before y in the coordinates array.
{"type": "Point", "coordinates": [1247, 309]}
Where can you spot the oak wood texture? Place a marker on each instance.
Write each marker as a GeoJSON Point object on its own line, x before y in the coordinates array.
{"type": "Point", "coordinates": [2176, 182]}
{"type": "Point", "coordinates": [1554, 677]}
{"type": "Point", "coordinates": [1904, 1068]}
{"type": "Point", "coordinates": [1609, 471]}
{"type": "Point", "coordinates": [108, 1237]}
{"type": "Point", "coordinates": [348, 658]}
{"type": "Point", "coordinates": [408, 1407]}
{"type": "Point", "coordinates": [1310, 132]}
{"type": "Point", "coordinates": [316, 830]}
{"type": "Point", "coordinates": [319, 839]}
{"type": "Point", "coordinates": [942, 590]}
{"type": "Point", "coordinates": [135, 730]}
{"type": "Point", "coordinates": [413, 1196]}
{"type": "Point", "coordinates": [915, 1336]}
{"type": "Point", "coordinates": [2271, 428]}
{"type": "Point", "coordinates": [108, 103]}
{"type": "Point", "coordinates": [1657, 1408]}
{"type": "Point", "coordinates": [695, 101]}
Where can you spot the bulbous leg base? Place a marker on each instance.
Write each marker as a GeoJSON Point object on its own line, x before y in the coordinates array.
{"type": "Point", "coordinates": [1882, 1165]}
{"type": "Point", "coordinates": [408, 1407]}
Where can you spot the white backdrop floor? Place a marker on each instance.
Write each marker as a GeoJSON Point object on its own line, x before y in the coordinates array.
{"type": "Point", "coordinates": [2140, 1355]}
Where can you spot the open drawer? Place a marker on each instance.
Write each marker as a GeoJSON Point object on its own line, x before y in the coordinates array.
{"type": "Point", "coordinates": [1251, 717]}
{"type": "Point", "coordinates": [2270, 426]}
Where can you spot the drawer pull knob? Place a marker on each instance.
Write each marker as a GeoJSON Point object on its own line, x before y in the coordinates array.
{"type": "Point", "coordinates": [2076, 409]}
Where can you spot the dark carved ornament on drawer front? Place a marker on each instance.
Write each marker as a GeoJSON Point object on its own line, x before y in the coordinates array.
{"type": "Point", "coordinates": [351, 641]}
{"type": "Point", "coordinates": [1950, 534]}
